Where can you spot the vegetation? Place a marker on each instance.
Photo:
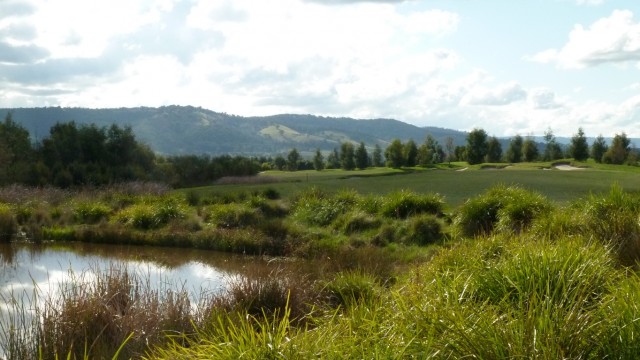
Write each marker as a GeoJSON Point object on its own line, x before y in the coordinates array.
{"type": "Point", "coordinates": [518, 276]}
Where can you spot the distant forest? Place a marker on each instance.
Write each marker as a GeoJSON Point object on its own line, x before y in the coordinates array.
{"type": "Point", "coordinates": [89, 155]}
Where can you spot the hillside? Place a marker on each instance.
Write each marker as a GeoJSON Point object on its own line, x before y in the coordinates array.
{"type": "Point", "coordinates": [190, 130]}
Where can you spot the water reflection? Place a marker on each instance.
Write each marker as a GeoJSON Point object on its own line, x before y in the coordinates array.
{"type": "Point", "coordinates": [26, 268]}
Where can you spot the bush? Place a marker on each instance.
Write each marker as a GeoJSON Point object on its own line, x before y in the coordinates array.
{"type": "Point", "coordinates": [404, 204]}
{"type": "Point", "coordinates": [502, 208]}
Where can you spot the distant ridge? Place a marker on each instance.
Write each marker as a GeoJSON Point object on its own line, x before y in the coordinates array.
{"type": "Point", "coordinates": [173, 130]}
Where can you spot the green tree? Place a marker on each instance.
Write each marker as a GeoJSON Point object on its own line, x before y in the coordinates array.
{"type": "Point", "coordinates": [461, 153]}
{"type": "Point", "coordinates": [292, 159]}
{"type": "Point", "coordinates": [598, 148]}
{"type": "Point", "coordinates": [318, 160]}
{"type": "Point", "coordinates": [552, 150]}
{"type": "Point", "coordinates": [476, 146]}
{"type": "Point", "coordinates": [280, 162]}
{"type": "Point", "coordinates": [449, 145]}
{"type": "Point", "coordinates": [362, 157]}
{"type": "Point", "coordinates": [333, 160]}
{"type": "Point", "coordinates": [514, 152]}
{"type": "Point", "coordinates": [410, 153]}
{"type": "Point", "coordinates": [579, 149]}
{"type": "Point", "coordinates": [494, 150]}
{"type": "Point", "coordinates": [394, 154]}
{"type": "Point", "coordinates": [618, 151]}
{"type": "Point", "coordinates": [16, 152]}
{"type": "Point", "coordinates": [376, 159]}
{"type": "Point", "coordinates": [529, 150]}
{"type": "Point", "coordinates": [347, 156]}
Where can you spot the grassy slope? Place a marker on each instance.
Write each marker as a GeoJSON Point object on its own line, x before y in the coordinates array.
{"type": "Point", "coordinates": [455, 186]}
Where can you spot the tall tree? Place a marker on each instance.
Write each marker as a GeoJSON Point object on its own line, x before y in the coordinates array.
{"type": "Point", "coordinates": [410, 153]}
{"type": "Point", "coordinates": [376, 159]}
{"type": "Point", "coordinates": [394, 154]}
{"type": "Point", "coordinates": [292, 159]}
{"type": "Point", "coordinates": [318, 160]}
{"type": "Point", "coordinates": [362, 157]}
{"type": "Point", "coordinates": [450, 148]}
{"type": "Point", "coordinates": [514, 152]}
{"type": "Point", "coordinates": [579, 149]}
{"type": "Point", "coordinates": [494, 150]}
{"type": "Point", "coordinates": [333, 160]}
{"type": "Point", "coordinates": [552, 150]}
{"type": "Point", "coordinates": [16, 152]}
{"type": "Point", "coordinates": [347, 156]}
{"type": "Point", "coordinates": [529, 150]}
{"type": "Point", "coordinates": [598, 149]}
{"type": "Point", "coordinates": [618, 151]}
{"type": "Point", "coordinates": [476, 146]}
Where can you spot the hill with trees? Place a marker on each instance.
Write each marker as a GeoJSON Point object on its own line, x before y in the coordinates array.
{"type": "Point", "coordinates": [180, 130]}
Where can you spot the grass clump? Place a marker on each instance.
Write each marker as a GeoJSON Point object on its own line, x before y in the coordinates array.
{"type": "Point", "coordinates": [403, 204]}
{"type": "Point", "coordinates": [151, 214]}
{"type": "Point", "coordinates": [91, 212]}
{"type": "Point", "coordinates": [234, 215]}
{"type": "Point", "coordinates": [424, 230]}
{"type": "Point", "coordinates": [350, 288]}
{"type": "Point", "coordinates": [502, 208]}
{"type": "Point", "coordinates": [317, 208]}
{"type": "Point", "coordinates": [8, 223]}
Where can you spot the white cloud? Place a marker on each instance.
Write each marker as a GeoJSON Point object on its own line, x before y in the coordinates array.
{"type": "Point", "coordinates": [613, 39]}
{"type": "Point", "coordinates": [504, 94]}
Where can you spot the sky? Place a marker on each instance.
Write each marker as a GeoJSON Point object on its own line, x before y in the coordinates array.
{"type": "Point", "coordinates": [508, 67]}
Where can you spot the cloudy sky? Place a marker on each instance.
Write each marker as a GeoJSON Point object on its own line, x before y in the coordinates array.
{"type": "Point", "coordinates": [509, 67]}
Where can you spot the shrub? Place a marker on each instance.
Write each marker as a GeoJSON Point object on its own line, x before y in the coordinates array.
{"type": "Point", "coordinates": [404, 204]}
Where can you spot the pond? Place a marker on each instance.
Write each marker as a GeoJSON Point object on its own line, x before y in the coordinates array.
{"type": "Point", "coordinates": [27, 269]}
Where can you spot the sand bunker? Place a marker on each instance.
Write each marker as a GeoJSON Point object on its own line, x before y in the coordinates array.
{"type": "Point", "coordinates": [567, 167]}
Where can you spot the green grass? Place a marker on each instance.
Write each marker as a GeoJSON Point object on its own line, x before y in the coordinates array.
{"type": "Point", "coordinates": [456, 186]}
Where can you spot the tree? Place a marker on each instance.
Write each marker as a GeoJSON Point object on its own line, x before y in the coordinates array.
{"type": "Point", "coordinates": [476, 146]}
{"type": "Point", "coordinates": [280, 162]}
{"type": "Point", "coordinates": [618, 151]}
{"type": "Point", "coordinates": [410, 153]}
{"type": "Point", "coordinates": [450, 148]}
{"type": "Point", "coordinates": [514, 153]}
{"type": "Point", "coordinates": [333, 160]}
{"type": "Point", "coordinates": [579, 149]}
{"type": "Point", "coordinates": [377, 156]}
{"type": "Point", "coordinates": [394, 154]}
{"type": "Point", "coordinates": [552, 150]}
{"type": "Point", "coordinates": [362, 157]}
{"type": "Point", "coordinates": [292, 159]}
{"type": "Point", "coordinates": [494, 150]}
{"type": "Point", "coordinates": [598, 148]}
{"type": "Point", "coordinates": [529, 150]}
{"type": "Point", "coordinates": [347, 160]}
{"type": "Point", "coordinates": [16, 152]}
{"type": "Point", "coordinates": [461, 153]}
{"type": "Point", "coordinates": [318, 160]}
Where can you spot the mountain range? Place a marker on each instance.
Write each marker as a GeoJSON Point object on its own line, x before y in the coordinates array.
{"type": "Point", "coordinates": [178, 130]}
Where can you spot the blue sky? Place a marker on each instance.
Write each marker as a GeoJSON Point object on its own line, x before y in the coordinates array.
{"type": "Point", "coordinates": [509, 67]}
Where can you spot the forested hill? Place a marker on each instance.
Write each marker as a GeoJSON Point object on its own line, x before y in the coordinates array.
{"type": "Point", "coordinates": [189, 130]}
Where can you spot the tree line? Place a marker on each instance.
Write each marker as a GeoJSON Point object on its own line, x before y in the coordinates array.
{"type": "Point", "coordinates": [80, 155]}
{"type": "Point", "coordinates": [479, 148]}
